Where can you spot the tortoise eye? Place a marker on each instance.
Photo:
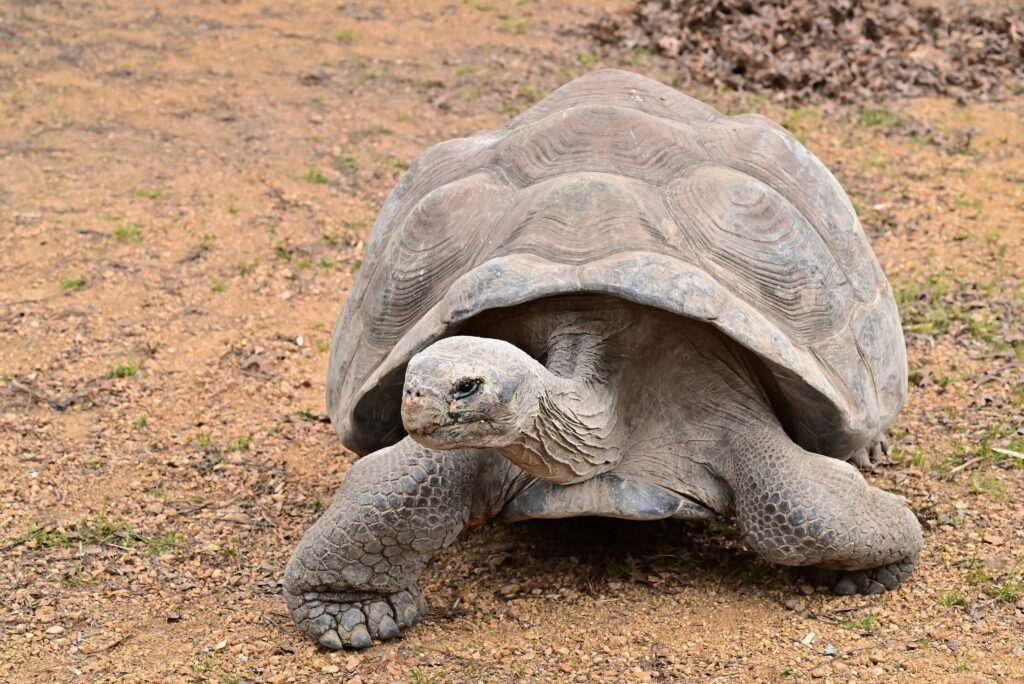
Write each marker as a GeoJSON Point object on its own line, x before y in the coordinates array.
{"type": "Point", "coordinates": [466, 387]}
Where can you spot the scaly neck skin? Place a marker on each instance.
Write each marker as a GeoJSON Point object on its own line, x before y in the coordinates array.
{"type": "Point", "coordinates": [575, 432]}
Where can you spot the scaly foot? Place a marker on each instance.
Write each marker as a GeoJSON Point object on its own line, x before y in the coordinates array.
{"type": "Point", "coordinates": [354, 620]}
{"type": "Point", "coordinates": [874, 454]}
{"type": "Point", "coordinates": [867, 581]}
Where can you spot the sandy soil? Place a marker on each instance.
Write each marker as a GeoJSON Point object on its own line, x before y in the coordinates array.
{"type": "Point", "coordinates": [185, 192]}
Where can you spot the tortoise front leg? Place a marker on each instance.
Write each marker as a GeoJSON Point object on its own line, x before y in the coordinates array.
{"type": "Point", "coordinates": [799, 508]}
{"type": "Point", "coordinates": [354, 576]}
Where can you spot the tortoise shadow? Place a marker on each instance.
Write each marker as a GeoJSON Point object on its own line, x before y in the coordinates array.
{"type": "Point", "coordinates": [661, 553]}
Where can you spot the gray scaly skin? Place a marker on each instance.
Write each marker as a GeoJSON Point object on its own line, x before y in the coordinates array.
{"type": "Point", "coordinates": [644, 395]}
{"type": "Point", "coordinates": [353, 577]}
{"type": "Point", "coordinates": [795, 507]}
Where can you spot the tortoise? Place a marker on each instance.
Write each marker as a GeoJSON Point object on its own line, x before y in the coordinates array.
{"type": "Point", "coordinates": [622, 303]}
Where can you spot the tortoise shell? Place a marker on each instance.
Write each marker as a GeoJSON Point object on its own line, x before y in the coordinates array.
{"type": "Point", "coordinates": [617, 184]}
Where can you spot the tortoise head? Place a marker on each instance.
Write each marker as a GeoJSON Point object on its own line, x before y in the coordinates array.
{"type": "Point", "coordinates": [469, 392]}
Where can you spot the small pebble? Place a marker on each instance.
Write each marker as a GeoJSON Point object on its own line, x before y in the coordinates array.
{"type": "Point", "coordinates": [821, 671]}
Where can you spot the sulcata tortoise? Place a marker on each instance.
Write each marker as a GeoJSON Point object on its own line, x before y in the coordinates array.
{"type": "Point", "coordinates": [623, 304]}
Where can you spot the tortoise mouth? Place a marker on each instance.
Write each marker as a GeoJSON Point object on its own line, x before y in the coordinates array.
{"type": "Point", "coordinates": [438, 436]}
{"type": "Point", "coordinates": [428, 430]}
{"type": "Point", "coordinates": [444, 435]}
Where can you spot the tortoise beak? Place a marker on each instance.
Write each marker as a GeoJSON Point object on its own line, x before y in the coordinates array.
{"type": "Point", "coordinates": [424, 409]}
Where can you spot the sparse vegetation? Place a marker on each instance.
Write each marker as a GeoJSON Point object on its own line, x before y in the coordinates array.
{"type": "Point", "coordinates": [204, 245]}
{"type": "Point", "coordinates": [346, 36]}
{"type": "Point", "coordinates": [951, 598]}
{"type": "Point", "coordinates": [417, 676]}
{"type": "Point", "coordinates": [73, 283]}
{"type": "Point", "coordinates": [515, 26]}
{"type": "Point", "coordinates": [989, 485]}
{"type": "Point", "coordinates": [531, 92]}
{"type": "Point", "coordinates": [127, 369]}
{"type": "Point", "coordinates": [878, 115]}
{"type": "Point", "coordinates": [797, 121]}
{"type": "Point", "coordinates": [865, 623]}
{"type": "Point", "coordinates": [99, 530]}
{"type": "Point", "coordinates": [315, 176]}
{"type": "Point", "coordinates": [128, 232]}
{"type": "Point", "coordinates": [305, 414]}
{"type": "Point", "coordinates": [1006, 587]}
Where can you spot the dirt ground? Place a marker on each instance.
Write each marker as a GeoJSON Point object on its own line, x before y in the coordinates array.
{"type": "Point", "coordinates": [185, 193]}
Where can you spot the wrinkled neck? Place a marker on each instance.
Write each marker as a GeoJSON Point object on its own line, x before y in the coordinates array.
{"type": "Point", "coordinates": [575, 432]}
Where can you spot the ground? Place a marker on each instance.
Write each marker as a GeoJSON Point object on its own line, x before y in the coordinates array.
{"type": "Point", "coordinates": [185, 195]}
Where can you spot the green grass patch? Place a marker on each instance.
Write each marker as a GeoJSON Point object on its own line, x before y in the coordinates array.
{"type": "Point", "coordinates": [723, 528]}
{"type": "Point", "coordinates": [926, 308]}
{"type": "Point", "coordinates": [204, 245]}
{"type": "Point", "coordinates": [531, 92]}
{"type": "Point", "coordinates": [128, 369]}
{"type": "Point", "coordinates": [73, 283]}
{"type": "Point", "coordinates": [316, 176]}
{"type": "Point", "coordinates": [346, 36]}
{"type": "Point", "coordinates": [878, 116]}
{"type": "Point", "coordinates": [972, 207]}
{"type": "Point", "coordinates": [951, 598]}
{"type": "Point", "coordinates": [128, 232]}
{"type": "Point", "coordinates": [149, 193]}
{"type": "Point", "coordinates": [799, 121]}
{"type": "Point", "coordinates": [1004, 587]}
{"type": "Point", "coordinates": [866, 623]}
{"type": "Point", "coordinates": [515, 26]}
{"type": "Point", "coordinates": [306, 415]}
{"type": "Point", "coordinates": [990, 485]}
{"type": "Point", "coordinates": [913, 456]}
{"type": "Point", "coordinates": [100, 531]}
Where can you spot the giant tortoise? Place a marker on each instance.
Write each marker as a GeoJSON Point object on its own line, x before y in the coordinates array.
{"type": "Point", "coordinates": [623, 303]}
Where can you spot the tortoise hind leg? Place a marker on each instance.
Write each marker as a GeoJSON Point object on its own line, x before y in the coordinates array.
{"type": "Point", "coordinates": [799, 508]}
{"type": "Point", "coordinates": [354, 576]}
